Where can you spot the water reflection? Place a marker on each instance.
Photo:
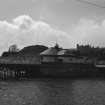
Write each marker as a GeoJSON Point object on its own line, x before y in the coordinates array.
{"type": "Point", "coordinates": [53, 92]}
{"type": "Point", "coordinates": [89, 92]}
{"type": "Point", "coordinates": [58, 92]}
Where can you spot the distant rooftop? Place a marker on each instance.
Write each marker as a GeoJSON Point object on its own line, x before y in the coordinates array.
{"type": "Point", "coordinates": [50, 51]}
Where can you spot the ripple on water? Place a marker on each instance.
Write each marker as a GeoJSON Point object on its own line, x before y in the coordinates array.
{"type": "Point", "coordinates": [53, 92]}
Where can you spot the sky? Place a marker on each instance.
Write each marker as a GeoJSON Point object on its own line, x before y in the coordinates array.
{"type": "Point", "coordinates": [67, 22]}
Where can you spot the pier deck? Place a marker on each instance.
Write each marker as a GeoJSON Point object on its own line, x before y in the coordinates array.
{"type": "Point", "coordinates": [32, 67]}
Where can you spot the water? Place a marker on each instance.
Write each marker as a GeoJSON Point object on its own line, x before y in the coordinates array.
{"type": "Point", "coordinates": [53, 92]}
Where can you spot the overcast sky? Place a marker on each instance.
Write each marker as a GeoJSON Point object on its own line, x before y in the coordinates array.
{"type": "Point", "coordinates": [28, 22]}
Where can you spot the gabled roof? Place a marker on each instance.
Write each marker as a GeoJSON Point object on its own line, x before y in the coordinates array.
{"type": "Point", "coordinates": [50, 51]}
{"type": "Point", "coordinates": [65, 52]}
{"type": "Point", "coordinates": [62, 52]}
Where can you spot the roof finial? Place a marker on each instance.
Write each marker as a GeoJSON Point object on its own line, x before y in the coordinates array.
{"type": "Point", "coordinates": [56, 46]}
